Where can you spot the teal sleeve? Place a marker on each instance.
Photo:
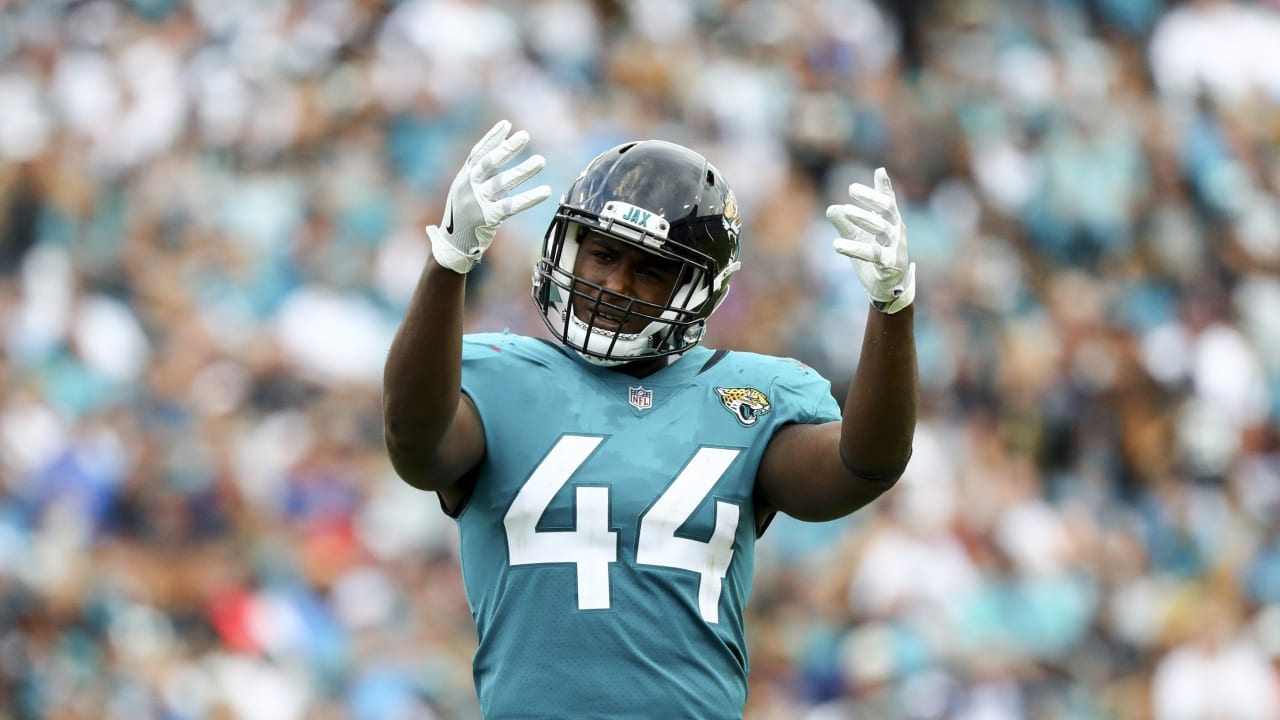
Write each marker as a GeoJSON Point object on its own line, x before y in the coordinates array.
{"type": "Point", "coordinates": [482, 368]}
{"type": "Point", "coordinates": [811, 393]}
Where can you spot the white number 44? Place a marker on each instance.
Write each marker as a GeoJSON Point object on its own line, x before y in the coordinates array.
{"type": "Point", "coordinates": [591, 545]}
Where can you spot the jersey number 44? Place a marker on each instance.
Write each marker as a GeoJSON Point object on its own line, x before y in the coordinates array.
{"type": "Point", "coordinates": [592, 546]}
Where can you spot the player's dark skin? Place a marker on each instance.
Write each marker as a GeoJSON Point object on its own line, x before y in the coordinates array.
{"type": "Point", "coordinates": [821, 472]}
{"type": "Point", "coordinates": [623, 270]}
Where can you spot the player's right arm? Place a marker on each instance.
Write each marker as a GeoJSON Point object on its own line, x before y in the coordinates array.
{"type": "Point", "coordinates": [433, 432]}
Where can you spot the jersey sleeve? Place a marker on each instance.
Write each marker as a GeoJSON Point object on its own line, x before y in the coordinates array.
{"type": "Point", "coordinates": [807, 392]}
{"type": "Point", "coordinates": [488, 365]}
{"type": "Point", "coordinates": [483, 362]}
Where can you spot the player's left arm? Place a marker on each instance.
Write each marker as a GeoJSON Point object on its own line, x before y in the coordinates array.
{"type": "Point", "coordinates": [826, 471]}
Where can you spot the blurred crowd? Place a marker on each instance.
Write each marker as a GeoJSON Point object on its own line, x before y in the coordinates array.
{"type": "Point", "coordinates": [210, 224]}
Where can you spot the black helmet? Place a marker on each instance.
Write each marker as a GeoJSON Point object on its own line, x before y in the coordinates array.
{"type": "Point", "coordinates": [664, 199]}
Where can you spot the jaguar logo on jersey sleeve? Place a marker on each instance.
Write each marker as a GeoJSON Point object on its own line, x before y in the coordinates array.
{"type": "Point", "coordinates": [746, 404]}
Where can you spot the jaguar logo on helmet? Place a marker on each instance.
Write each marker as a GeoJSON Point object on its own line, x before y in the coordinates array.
{"type": "Point", "coordinates": [732, 218]}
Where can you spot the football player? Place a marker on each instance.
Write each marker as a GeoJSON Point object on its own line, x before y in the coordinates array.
{"type": "Point", "coordinates": [609, 486]}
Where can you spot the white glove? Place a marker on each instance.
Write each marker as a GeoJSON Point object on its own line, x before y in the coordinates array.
{"type": "Point", "coordinates": [479, 201]}
{"type": "Point", "coordinates": [873, 237]}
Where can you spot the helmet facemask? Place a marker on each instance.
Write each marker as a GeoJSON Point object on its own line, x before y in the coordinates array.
{"type": "Point", "coordinates": [576, 308]}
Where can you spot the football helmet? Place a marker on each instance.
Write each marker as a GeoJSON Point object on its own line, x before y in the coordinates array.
{"type": "Point", "coordinates": [659, 197]}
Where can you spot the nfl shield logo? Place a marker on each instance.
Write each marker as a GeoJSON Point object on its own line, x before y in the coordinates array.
{"type": "Point", "coordinates": [641, 399]}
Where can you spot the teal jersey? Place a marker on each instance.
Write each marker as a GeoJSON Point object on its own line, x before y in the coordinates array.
{"type": "Point", "coordinates": [608, 543]}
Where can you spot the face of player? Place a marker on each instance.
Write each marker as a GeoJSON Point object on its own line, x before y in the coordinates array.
{"type": "Point", "coordinates": [624, 271]}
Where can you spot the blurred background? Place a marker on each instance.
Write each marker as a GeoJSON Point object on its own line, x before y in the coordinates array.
{"type": "Point", "coordinates": [211, 219]}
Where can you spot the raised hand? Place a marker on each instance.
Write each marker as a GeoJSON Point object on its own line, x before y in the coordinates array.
{"type": "Point", "coordinates": [480, 199]}
{"type": "Point", "coordinates": [873, 237]}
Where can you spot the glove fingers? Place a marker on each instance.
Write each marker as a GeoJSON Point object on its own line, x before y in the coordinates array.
{"type": "Point", "coordinates": [525, 200]}
{"type": "Point", "coordinates": [863, 219]}
{"type": "Point", "coordinates": [878, 201]}
{"type": "Point", "coordinates": [508, 179]}
{"type": "Point", "coordinates": [882, 182]}
{"type": "Point", "coordinates": [499, 156]}
{"type": "Point", "coordinates": [835, 214]}
{"type": "Point", "coordinates": [490, 139]}
{"type": "Point", "coordinates": [864, 250]}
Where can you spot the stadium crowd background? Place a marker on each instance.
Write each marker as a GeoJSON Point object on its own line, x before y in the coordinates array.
{"type": "Point", "coordinates": [211, 224]}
